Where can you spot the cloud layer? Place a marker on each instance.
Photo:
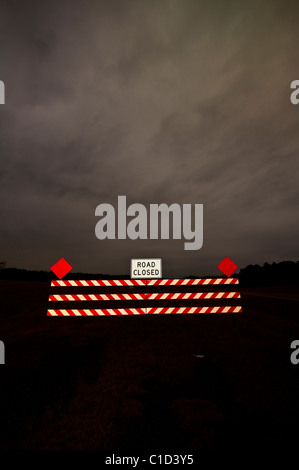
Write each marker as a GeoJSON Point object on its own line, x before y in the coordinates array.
{"type": "Point", "coordinates": [161, 101]}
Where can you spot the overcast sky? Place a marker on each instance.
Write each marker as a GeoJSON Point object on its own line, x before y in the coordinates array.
{"type": "Point", "coordinates": [174, 101]}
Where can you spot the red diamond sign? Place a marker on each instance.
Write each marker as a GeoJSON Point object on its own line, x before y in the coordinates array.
{"type": "Point", "coordinates": [227, 266]}
{"type": "Point", "coordinates": [61, 268]}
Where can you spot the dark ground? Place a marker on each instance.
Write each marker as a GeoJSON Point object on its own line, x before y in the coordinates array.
{"type": "Point", "coordinates": [119, 383]}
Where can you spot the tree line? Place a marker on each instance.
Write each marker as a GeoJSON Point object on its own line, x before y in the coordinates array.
{"type": "Point", "coordinates": [284, 272]}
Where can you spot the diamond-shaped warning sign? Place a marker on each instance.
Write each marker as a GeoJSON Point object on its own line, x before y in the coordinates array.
{"type": "Point", "coordinates": [227, 266]}
{"type": "Point", "coordinates": [61, 268]}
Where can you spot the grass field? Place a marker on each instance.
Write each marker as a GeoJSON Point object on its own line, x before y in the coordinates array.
{"type": "Point", "coordinates": [119, 383]}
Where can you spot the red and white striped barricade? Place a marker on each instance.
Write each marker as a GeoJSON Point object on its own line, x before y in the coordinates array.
{"type": "Point", "coordinates": [60, 300]}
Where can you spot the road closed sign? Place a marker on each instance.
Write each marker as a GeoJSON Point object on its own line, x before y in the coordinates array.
{"type": "Point", "coordinates": [147, 268]}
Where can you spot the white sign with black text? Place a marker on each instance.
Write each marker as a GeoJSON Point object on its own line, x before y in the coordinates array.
{"type": "Point", "coordinates": [147, 268]}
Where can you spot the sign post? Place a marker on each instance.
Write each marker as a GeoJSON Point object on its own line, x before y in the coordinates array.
{"type": "Point", "coordinates": [146, 268]}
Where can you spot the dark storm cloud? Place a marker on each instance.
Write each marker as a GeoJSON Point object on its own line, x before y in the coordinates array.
{"type": "Point", "coordinates": [161, 101]}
